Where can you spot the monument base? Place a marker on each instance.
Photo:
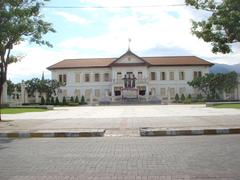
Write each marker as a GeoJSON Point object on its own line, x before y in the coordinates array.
{"type": "Point", "coordinates": [130, 93]}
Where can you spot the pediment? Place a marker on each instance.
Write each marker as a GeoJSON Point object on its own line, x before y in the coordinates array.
{"type": "Point", "coordinates": [129, 58]}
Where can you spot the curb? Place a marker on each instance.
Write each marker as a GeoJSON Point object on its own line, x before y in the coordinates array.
{"type": "Point", "coordinates": [183, 132]}
{"type": "Point", "coordinates": [98, 133]}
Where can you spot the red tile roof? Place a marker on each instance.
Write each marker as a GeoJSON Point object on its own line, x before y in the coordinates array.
{"type": "Point", "coordinates": [177, 61]}
{"type": "Point", "coordinates": [152, 61]}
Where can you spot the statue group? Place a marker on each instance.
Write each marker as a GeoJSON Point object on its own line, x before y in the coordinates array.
{"type": "Point", "coordinates": [129, 81]}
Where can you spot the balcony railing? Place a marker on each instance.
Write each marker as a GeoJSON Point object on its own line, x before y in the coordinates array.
{"type": "Point", "coordinates": [138, 81]}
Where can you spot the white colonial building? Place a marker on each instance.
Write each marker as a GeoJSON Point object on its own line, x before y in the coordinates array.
{"type": "Point", "coordinates": [129, 77]}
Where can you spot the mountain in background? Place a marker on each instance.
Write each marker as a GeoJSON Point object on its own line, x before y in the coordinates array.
{"type": "Point", "coordinates": [225, 68]}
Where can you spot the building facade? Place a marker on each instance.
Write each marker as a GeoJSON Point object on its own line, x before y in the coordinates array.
{"type": "Point", "coordinates": [155, 79]}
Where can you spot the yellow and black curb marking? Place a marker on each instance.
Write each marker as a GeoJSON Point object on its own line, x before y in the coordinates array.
{"type": "Point", "coordinates": [182, 132]}
{"type": "Point", "coordinates": [98, 133]}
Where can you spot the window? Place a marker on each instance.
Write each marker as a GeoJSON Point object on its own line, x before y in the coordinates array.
{"type": "Point", "coordinates": [163, 91]}
{"type": "Point", "coordinates": [62, 78]}
{"type": "Point", "coordinates": [153, 76]}
{"type": "Point", "coordinates": [119, 76]}
{"type": "Point", "coordinates": [106, 77]}
{"type": "Point", "coordinates": [65, 78]}
{"type": "Point", "coordinates": [97, 92]}
{"type": "Point", "coordinates": [171, 76]}
{"type": "Point", "coordinates": [197, 74]}
{"type": "Point", "coordinates": [87, 93]}
{"type": "Point", "coordinates": [97, 77]}
{"type": "Point", "coordinates": [162, 76]}
{"type": "Point", "coordinates": [181, 75]}
{"type": "Point", "coordinates": [77, 77]}
{"type": "Point", "coordinates": [172, 92]}
{"type": "Point", "coordinates": [87, 77]}
{"type": "Point", "coordinates": [140, 75]}
{"type": "Point", "coordinates": [108, 92]}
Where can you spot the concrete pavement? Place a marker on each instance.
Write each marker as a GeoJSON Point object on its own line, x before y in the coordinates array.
{"type": "Point", "coordinates": [123, 120]}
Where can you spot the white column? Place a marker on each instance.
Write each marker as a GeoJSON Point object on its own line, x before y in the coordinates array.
{"type": "Point", "coordinates": [22, 92]}
{"type": "Point", "coordinates": [91, 97]}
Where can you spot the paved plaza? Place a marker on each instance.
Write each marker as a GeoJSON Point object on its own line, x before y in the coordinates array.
{"type": "Point", "coordinates": [124, 119]}
{"type": "Point", "coordinates": [131, 158]}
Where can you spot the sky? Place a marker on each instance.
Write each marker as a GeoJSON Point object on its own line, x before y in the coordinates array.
{"type": "Point", "coordinates": [159, 30]}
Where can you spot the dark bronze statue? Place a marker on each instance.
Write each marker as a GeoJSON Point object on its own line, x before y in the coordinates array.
{"type": "Point", "coordinates": [129, 81]}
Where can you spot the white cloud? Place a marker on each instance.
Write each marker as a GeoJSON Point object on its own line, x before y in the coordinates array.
{"type": "Point", "coordinates": [35, 61]}
{"type": "Point", "coordinates": [149, 29]}
{"type": "Point", "coordinates": [72, 17]}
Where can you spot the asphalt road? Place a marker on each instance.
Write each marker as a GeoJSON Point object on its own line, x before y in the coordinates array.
{"type": "Point", "coordinates": [182, 157]}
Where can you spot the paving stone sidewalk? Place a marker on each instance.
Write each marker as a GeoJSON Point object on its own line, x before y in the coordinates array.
{"type": "Point", "coordinates": [121, 158]}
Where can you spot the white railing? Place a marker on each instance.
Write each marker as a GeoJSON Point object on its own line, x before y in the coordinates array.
{"type": "Point", "coordinates": [138, 81]}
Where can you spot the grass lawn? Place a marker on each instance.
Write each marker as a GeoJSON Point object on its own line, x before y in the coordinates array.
{"type": "Point", "coordinates": [237, 106]}
{"type": "Point", "coordinates": [21, 110]}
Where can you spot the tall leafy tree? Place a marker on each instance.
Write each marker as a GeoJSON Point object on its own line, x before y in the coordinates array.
{"type": "Point", "coordinates": [213, 84]}
{"type": "Point", "coordinates": [20, 20]}
{"type": "Point", "coordinates": [222, 28]}
{"type": "Point", "coordinates": [42, 86]}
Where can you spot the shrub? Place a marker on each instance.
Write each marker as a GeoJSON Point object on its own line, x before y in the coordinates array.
{"type": "Point", "coordinates": [189, 98]}
{"type": "Point", "coordinates": [199, 97]}
{"type": "Point", "coordinates": [57, 101]}
{"type": "Point", "coordinates": [52, 101]}
{"type": "Point", "coordinates": [177, 98]}
{"type": "Point", "coordinates": [73, 104]}
{"type": "Point", "coordinates": [47, 100]}
{"type": "Point", "coordinates": [64, 101]}
{"type": "Point", "coordinates": [82, 100]}
{"type": "Point", "coordinates": [217, 96]}
{"type": "Point", "coordinates": [183, 98]}
{"type": "Point", "coordinates": [76, 100]}
{"type": "Point", "coordinates": [71, 100]}
{"type": "Point", "coordinates": [209, 98]}
{"type": "Point", "coordinates": [42, 101]}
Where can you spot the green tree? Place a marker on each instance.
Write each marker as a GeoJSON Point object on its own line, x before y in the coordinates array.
{"type": "Point", "coordinates": [189, 98]}
{"type": "Point", "coordinates": [72, 99]}
{"type": "Point", "coordinates": [82, 100]}
{"type": "Point", "coordinates": [76, 100]}
{"type": "Point", "coordinates": [177, 98]}
{"type": "Point", "coordinates": [214, 84]}
{"type": "Point", "coordinates": [183, 98]}
{"type": "Point", "coordinates": [20, 20]}
{"type": "Point", "coordinates": [51, 86]}
{"type": "Point", "coordinates": [64, 101]}
{"type": "Point", "coordinates": [199, 97]}
{"type": "Point", "coordinates": [48, 101]}
{"type": "Point", "coordinates": [42, 100]}
{"type": "Point", "coordinates": [57, 101]}
{"type": "Point", "coordinates": [32, 86]}
{"type": "Point", "coordinates": [222, 28]}
{"type": "Point", "coordinates": [52, 101]}
{"type": "Point", "coordinates": [10, 87]}
{"type": "Point", "coordinates": [42, 86]}
{"type": "Point", "coordinates": [230, 81]}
